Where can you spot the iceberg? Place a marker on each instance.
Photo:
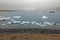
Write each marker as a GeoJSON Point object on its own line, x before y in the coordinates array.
{"type": "Point", "coordinates": [25, 22]}
{"type": "Point", "coordinates": [16, 16]}
{"type": "Point", "coordinates": [44, 17]}
{"type": "Point", "coordinates": [3, 24]}
{"type": "Point", "coordinates": [4, 18]}
{"type": "Point", "coordinates": [33, 22]}
{"type": "Point", "coordinates": [47, 23]}
{"type": "Point", "coordinates": [15, 22]}
{"type": "Point", "coordinates": [9, 22]}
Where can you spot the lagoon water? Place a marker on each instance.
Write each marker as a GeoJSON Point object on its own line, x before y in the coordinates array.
{"type": "Point", "coordinates": [38, 16]}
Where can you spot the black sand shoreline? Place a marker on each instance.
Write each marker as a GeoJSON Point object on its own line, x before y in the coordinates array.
{"type": "Point", "coordinates": [30, 30]}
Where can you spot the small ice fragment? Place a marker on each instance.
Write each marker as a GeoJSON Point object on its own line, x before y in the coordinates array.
{"type": "Point", "coordinates": [44, 17]}
{"type": "Point", "coordinates": [9, 22]}
{"type": "Point", "coordinates": [33, 22]}
{"type": "Point", "coordinates": [47, 23]}
{"type": "Point", "coordinates": [16, 21]}
{"type": "Point", "coordinates": [16, 16]}
{"type": "Point", "coordinates": [27, 22]}
{"type": "Point", "coordinates": [3, 24]}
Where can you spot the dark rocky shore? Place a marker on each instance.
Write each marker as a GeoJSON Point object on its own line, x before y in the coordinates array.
{"type": "Point", "coordinates": [30, 30]}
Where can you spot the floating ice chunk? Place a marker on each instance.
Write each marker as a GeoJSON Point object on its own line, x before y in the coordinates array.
{"type": "Point", "coordinates": [22, 22]}
{"type": "Point", "coordinates": [12, 19]}
{"type": "Point", "coordinates": [53, 23]}
{"type": "Point", "coordinates": [16, 16]}
{"type": "Point", "coordinates": [16, 22]}
{"type": "Point", "coordinates": [37, 23]}
{"type": "Point", "coordinates": [47, 23]}
{"type": "Point", "coordinates": [1, 19]}
{"type": "Point", "coordinates": [44, 17]}
{"type": "Point", "coordinates": [4, 18]}
{"type": "Point", "coordinates": [9, 22]}
{"type": "Point", "coordinates": [3, 24]}
{"type": "Point", "coordinates": [40, 24]}
{"type": "Point", "coordinates": [33, 22]}
{"type": "Point", "coordinates": [27, 22]}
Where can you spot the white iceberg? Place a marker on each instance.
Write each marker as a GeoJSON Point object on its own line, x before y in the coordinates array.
{"type": "Point", "coordinates": [16, 16]}
{"type": "Point", "coordinates": [25, 22]}
{"type": "Point", "coordinates": [33, 22]}
{"type": "Point", "coordinates": [4, 18]}
{"type": "Point", "coordinates": [9, 22]}
{"type": "Point", "coordinates": [16, 22]}
{"type": "Point", "coordinates": [40, 24]}
{"type": "Point", "coordinates": [47, 23]}
{"type": "Point", "coordinates": [3, 24]}
{"type": "Point", "coordinates": [37, 23]}
{"type": "Point", "coordinates": [44, 17]}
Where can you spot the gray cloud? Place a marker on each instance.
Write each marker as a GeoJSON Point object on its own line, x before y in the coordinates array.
{"type": "Point", "coordinates": [29, 4]}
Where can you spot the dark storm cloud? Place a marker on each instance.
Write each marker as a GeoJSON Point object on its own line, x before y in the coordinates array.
{"type": "Point", "coordinates": [29, 4]}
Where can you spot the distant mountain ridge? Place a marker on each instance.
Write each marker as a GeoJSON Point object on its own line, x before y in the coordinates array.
{"type": "Point", "coordinates": [8, 10]}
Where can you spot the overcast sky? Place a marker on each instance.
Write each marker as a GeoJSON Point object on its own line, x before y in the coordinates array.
{"type": "Point", "coordinates": [29, 4]}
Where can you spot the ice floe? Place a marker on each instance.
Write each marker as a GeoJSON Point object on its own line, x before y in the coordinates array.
{"type": "Point", "coordinates": [47, 23]}
{"type": "Point", "coordinates": [9, 22]}
{"type": "Point", "coordinates": [16, 16]}
{"type": "Point", "coordinates": [3, 24]}
{"type": "Point", "coordinates": [4, 18]}
{"type": "Point", "coordinates": [25, 22]}
{"type": "Point", "coordinates": [33, 22]}
{"type": "Point", "coordinates": [14, 21]}
{"type": "Point", "coordinates": [44, 17]}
